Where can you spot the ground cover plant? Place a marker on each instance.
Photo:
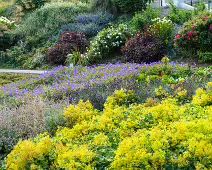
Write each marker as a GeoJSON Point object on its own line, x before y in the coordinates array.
{"type": "Point", "coordinates": [64, 85]}
{"type": "Point", "coordinates": [125, 135]}
{"type": "Point", "coordinates": [63, 82]}
{"type": "Point", "coordinates": [145, 114]}
{"type": "Point", "coordinates": [8, 78]}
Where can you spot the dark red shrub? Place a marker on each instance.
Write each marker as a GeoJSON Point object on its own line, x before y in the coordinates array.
{"type": "Point", "coordinates": [77, 41]}
{"type": "Point", "coordinates": [57, 54]}
{"type": "Point", "coordinates": [144, 47]}
{"type": "Point", "coordinates": [69, 42]}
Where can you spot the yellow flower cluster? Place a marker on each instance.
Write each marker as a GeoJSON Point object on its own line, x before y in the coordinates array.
{"type": "Point", "coordinates": [83, 111]}
{"type": "Point", "coordinates": [154, 135]}
{"type": "Point", "coordinates": [203, 96]}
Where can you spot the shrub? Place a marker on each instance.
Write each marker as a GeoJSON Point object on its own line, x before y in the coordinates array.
{"type": "Point", "coordinates": [3, 7]}
{"type": "Point", "coordinates": [6, 41]}
{"type": "Point", "coordinates": [131, 5]}
{"type": "Point", "coordinates": [143, 48]}
{"type": "Point", "coordinates": [57, 54]}
{"type": "Point", "coordinates": [163, 29]}
{"type": "Point", "coordinates": [108, 42]}
{"type": "Point", "coordinates": [43, 22]}
{"type": "Point", "coordinates": [197, 34]}
{"type": "Point", "coordinates": [143, 19]}
{"type": "Point", "coordinates": [17, 55]}
{"type": "Point", "coordinates": [90, 24]}
{"type": "Point", "coordinates": [123, 136]}
{"type": "Point", "coordinates": [179, 16]}
{"type": "Point", "coordinates": [205, 56]}
{"type": "Point", "coordinates": [104, 5]}
{"type": "Point", "coordinates": [77, 41]}
{"type": "Point", "coordinates": [31, 3]}
{"type": "Point", "coordinates": [70, 42]}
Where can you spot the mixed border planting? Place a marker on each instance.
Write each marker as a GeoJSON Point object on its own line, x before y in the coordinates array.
{"type": "Point", "coordinates": [116, 95]}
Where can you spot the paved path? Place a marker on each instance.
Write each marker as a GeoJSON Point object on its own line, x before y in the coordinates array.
{"type": "Point", "coordinates": [22, 71]}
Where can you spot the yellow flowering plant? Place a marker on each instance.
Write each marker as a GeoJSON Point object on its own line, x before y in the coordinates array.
{"type": "Point", "coordinates": [155, 135]}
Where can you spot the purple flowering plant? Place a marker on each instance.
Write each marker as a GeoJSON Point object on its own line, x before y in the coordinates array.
{"type": "Point", "coordinates": [97, 82]}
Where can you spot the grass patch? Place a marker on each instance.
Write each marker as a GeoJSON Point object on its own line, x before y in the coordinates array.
{"type": "Point", "coordinates": [7, 78]}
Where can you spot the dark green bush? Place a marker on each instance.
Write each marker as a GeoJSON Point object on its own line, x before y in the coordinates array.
{"type": "Point", "coordinates": [104, 5]}
{"type": "Point", "coordinates": [127, 6]}
{"type": "Point", "coordinates": [144, 18]}
{"type": "Point", "coordinates": [31, 3]}
{"type": "Point", "coordinates": [179, 16]}
{"type": "Point", "coordinates": [6, 41]}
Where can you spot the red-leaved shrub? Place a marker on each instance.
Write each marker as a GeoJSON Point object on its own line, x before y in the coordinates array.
{"type": "Point", "coordinates": [69, 42]}
{"type": "Point", "coordinates": [144, 47]}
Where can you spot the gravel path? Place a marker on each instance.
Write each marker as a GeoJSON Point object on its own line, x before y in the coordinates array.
{"type": "Point", "coordinates": [22, 71]}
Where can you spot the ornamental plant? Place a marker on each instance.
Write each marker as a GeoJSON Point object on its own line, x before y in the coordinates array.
{"type": "Point", "coordinates": [196, 34]}
{"type": "Point", "coordinates": [31, 4]}
{"type": "Point", "coordinates": [69, 43]}
{"type": "Point", "coordinates": [6, 24]}
{"type": "Point", "coordinates": [127, 6]}
{"type": "Point", "coordinates": [143, 19]}
{"type": "Point", "coordinates": [163, 29]}
{"type": "Point", "coordinates": [108, 42]}
{"type": "Point", "coordinates": [143, 48]}
{"type": "Point", "coordinates": [6, 39]}
{"type": "Point", "coordinates": [125, 135]}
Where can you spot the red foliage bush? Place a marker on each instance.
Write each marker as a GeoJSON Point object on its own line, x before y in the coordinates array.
{"type": "Point", "coordinates": [77, 41]}
{"type": "Point", "coordinates": [57, 54]}
{"type": "Point", "coordinates": [69, 42]}
{"type": "Point", "coordinates": [144, 47]}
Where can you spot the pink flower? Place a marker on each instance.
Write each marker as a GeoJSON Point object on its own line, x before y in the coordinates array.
{"type": "Point", "coordinates": [189, 38]}
{"type": "Point", "coordinates": [178, 36]}
{"type": "Point", "coordinates": [191, 34]}
{"type": "Point", "coordinates": [184, 35]}
{"type": "Point", "coordinates": [192, 26]}
{"type": "Point", "coordinates": [206, 19]}
{"type": "Point", "coordinates": [210, 27]}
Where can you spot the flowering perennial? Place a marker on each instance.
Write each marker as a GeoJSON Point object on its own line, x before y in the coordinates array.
{"type": "Point", "coordinates": [125, 135]}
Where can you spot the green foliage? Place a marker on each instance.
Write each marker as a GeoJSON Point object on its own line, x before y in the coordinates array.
{"type": "Point", "coordinates": [205, 56]}
{"type": "Point", "coordinates": [179, 16]}
{"type": "Point", "coordinates": [127, 6]}
{"type": "Point", "coordinates": [163, 29]}
{"type": "Point", "coordinates": [31, 4]}
{"type": "Point", "coordinates": [108, 42]}
{"type": "Point", "coordinates": [74, 58]}
{"type": "Point", "coordinates": [143, 19]}
{"type": "Point", "coordinates": [4, 5]}
{"type": "Point", "coordinates": [7, 78]}
{"type": "Point", "coordinates": [17, 55]}
{"type": "Point", "coordinates": [6, 40]}
{"type": "Point", "coordinates": [42, 23]}
{"type": "Point", "coordinates": [104, 5]}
